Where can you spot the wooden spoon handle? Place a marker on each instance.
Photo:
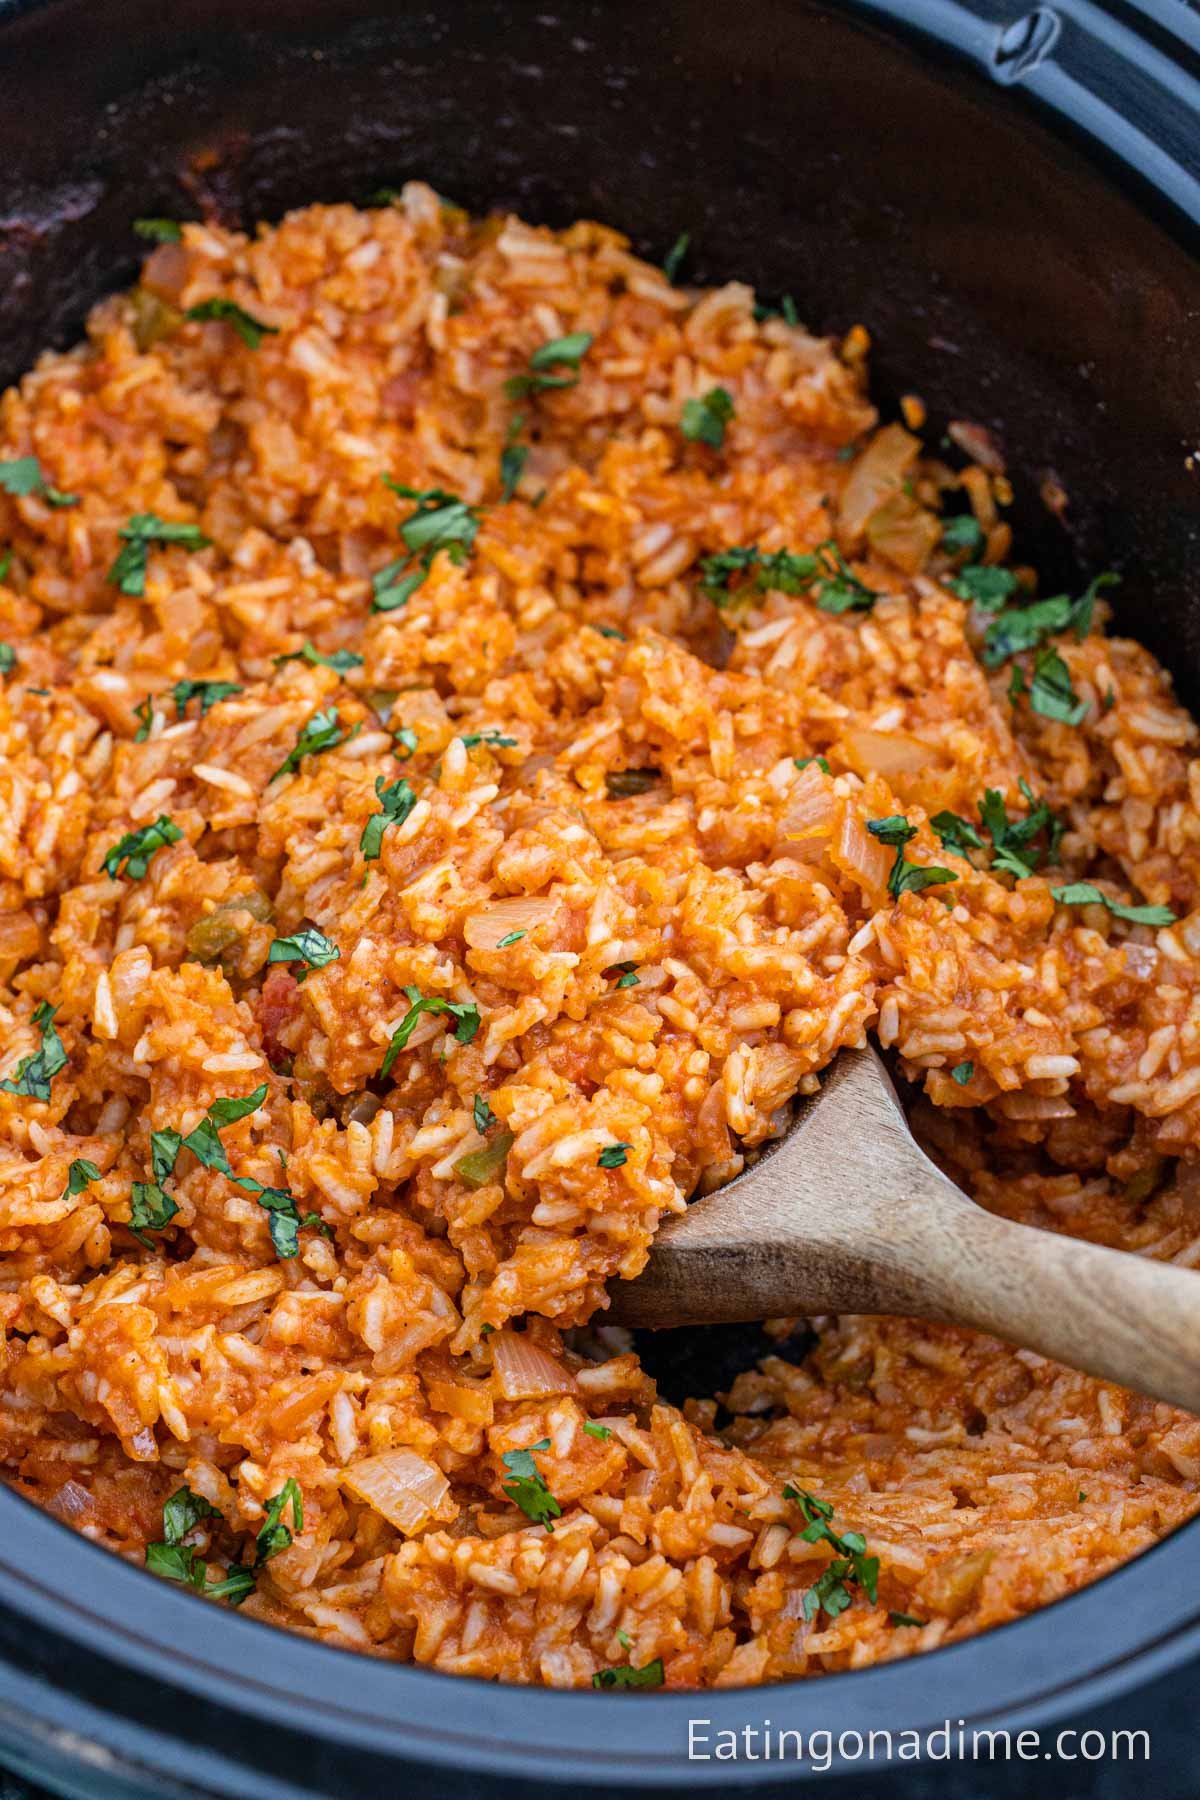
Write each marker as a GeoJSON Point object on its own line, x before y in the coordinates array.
{"type": "Point", "coordinates": [1108, 1312]}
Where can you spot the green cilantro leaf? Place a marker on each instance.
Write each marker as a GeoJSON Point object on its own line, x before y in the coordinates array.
{"type": "Point", "coordinates": [1083, 893]}
{"type": "Point", "coordinates": [824, 573]}
{"type": "Point", "coordinates": [673, 260]}
{"type": "Point", "coordinates": [601, 1433]}
{"type": "Point", "coordinates": [528, 1489]}
{"type": "Point", "coordinates": [144, 712]}
{"type": "Point", "coordinates": [703, 421]}
{"type": "Point", "coordinates": [851, 1564]}
{"type": "Point", "coordinates": [128, 572]}
{"type": "Point", "coordinates": [340, 660]}
{"type": "Point", "coordinates": [560, 353]}
{"type": "Point", "coordinates": [963, 532]}
{"type": "Point", "coordinates": [483, 1115]}
{"type": "Point", "coordinates": [252, 331]}
{"type": "Point", "coordinates": [613, 1156]}
{"type": "Point", "coordinates": [396, 801]}
{"type": "Point", "coordinates": [899, 1618]}
{"type": "Point", "coordinates": [464, 1013]}
{"type": "Point", "coordinates": [441, 522]}
{"type": "Point", "coordinates": [151, 1209]}
{"type": "Point", "coordinates": [23, 475]}
{"type": "Point", "coordinates": [322, 732]}
{"type": "Point", "coordinates": [8, 658]}
{"type": "Point", "coordinates": [182, 1512]}
{"type": "Point", "coordinates": [1050, 691]}
{"type": "Point", "coordinates": [512, 937]}
{"type": "Point", "coordinates": [80, 1173]}
{"type": "Point", "coordinates": [493, 739]}
{"type": "Point", "coordinates": [627, 971]}
{"type": "Point", "coordinates": [207, 692]}
{"type": "Point", "coordinates": [622, 1675]}
{"type": "Point", "coordinates": [962, 1073]}
{"type": "Point", "coordinates": [513, 458]}
{"type": "Point", "coordinates": [274, 1535]}
{"type": "Point", "coordinates": [309, 946]}
{"type": "Point", "coordinates": [957, 834]}
{"type": "Point", "coordinates": [136, 848]}
{"type": "Point", "coordinates": [406, 741]}
{"type": "Point", "coordinates": [34, 1073]}
{"type": "Point", "coordinates": [983, 585]}
{"type": "Point", "coordinates": [158, 231]}
{"type": "Point", "coordinates": [906, 877]}
{"type": "Point", "coordinates": [802, 762]}
{"type": "Point", "coordinates": [228, 1110]}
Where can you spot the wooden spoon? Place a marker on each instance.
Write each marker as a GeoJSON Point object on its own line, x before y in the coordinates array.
{"type": "Point", "coordinates": [847, 1214]}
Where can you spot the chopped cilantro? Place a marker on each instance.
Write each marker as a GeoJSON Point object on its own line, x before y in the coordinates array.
{"type": "Point", "coordinates": [962, 533]}
{"type": "Point", "coordinates": [158, 231]}
{"type": "Point", "coordinates": [513, 937]}
{"type": "Point", "coordinates": [1026, 627]}
{"type": "Point", "coordinates": [80, 1173]}
{"type": "Point", "coordinates": [284, 1218]}
{"type": "Point", "coordinates": [34, 1073]}
{"type": "Point", "coordinates": [341, 660]}
{"type": "Point", "coordinates": [601, 1433]}
{"type": "Point", "coordinates": [613, 1156]}
{"type": "Point", "coordinates": [494, 740]}
{"type": "Point", "coordinates": [1083, 893]}
{"type": "Point", "coordinates": [144, 712]}
{"type": "Point", "coordinates": [1012, 848]}
{"type": "Point", "coordinates": [128, 572]}
{"type": "Point", "coordinates": [623, 1675]}
{"type": "Point", "coordinates": [560, 353]}
{"type": "Point", "coordinates": [309, 946]}
{"type": "Point", "coordinates": [802, 762]}
{"type": "Point", "coordinates": [1050, 691]}
{"type": "Point", "coordinates": [441, 522]}
{"type": "Point", "coordinates": [483, 1115]}
{"type": "Point", "coordinates": [673, 260]}
{"type": "Point", "coordinates": [322, 732]}
{"type": "Point", "coordinates": [527, 1488]}
{"type": "Point", "coordinates": [823, 572]}
{"type": "Point", "coordinates": [957, 834]}
{"type": "Point", "coordinates": [851, 1565]}
{"type": "Point", "coordinates": [136, 848]}
{"type": "Point", "coordinates": [899, 1618]}
{"type": "Point", "coordinates": [513, 458]}
{"type": "Point", "coordinates": [703, 421]}
{"type": "Point", "coordinates": [608, 631]}
{"type": "Point", "coordinates": [627, 971]}
{"type": "Point", "coordinates": [252, 331]}
{"type": "Point", "coordinates": [464, 1014]}
{"type": "Point", "coordinates": [396, 801]}
{"type": "Point", "coordinates": [207, 692]}
{"type": "Point", "coordinates": [906, 877]}
{"type": "Point", "coordinates": [406, 740]}
{"type": "Point", "coordinates": [274, 1535]}
{"type": "Point", "coordinates": [151, 1209]}
{"type": "Point", "coordinates": [178, 1561]}
{"type": "Point", "coordinates": [981, 584]}
{"type": "Point", "coordinates": [962, 1073]}
{"type": "Point", "coordinates": [8, 658]}
{"type": "Point", "coordinates": [23, 475]}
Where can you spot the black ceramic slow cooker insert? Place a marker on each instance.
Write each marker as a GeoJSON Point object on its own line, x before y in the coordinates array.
{"type": "Point", "coordinates": [1009, 199]}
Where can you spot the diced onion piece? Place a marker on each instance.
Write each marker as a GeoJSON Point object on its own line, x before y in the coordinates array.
{"type": "Point", "coordinates": [905, 532]}
{"type": "Point", "coordinates": [812, 807]}
{"type": "Point", "coordinates": [877, 474]}
{"type": "Point", "coordinates": [892, 754]}
{"type": "Point", "coordinates": [461, 1399]}
{"type": "Point", "coordinates": [526, 1372]}
{"type": "Point", "coordinates": [478, 1167]}
{"type": "Point", "coordinates": [521, 912]}
{"type": "Point", "coordinates": [400, 1485]}
{"type": "Point", "coordinates": [861, 856]}
{"type": "Point", "coordinates": [72, 1502]}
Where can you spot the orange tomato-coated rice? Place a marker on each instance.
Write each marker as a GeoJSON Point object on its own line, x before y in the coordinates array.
{"type": "Point", "coordinates": [422, 1319]}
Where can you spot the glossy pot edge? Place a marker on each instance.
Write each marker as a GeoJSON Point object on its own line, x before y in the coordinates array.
{"type": "Point", "coordinates": [560, 1737]}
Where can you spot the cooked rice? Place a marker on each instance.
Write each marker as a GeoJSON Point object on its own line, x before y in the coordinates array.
{"type": "Point", "coordinates": [746, 891]}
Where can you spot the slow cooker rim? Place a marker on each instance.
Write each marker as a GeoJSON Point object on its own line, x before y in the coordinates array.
{"type": "Point", "coordinates": [1126, 1627]}
{"type": "Point", "coordinates": [1153, 1586]}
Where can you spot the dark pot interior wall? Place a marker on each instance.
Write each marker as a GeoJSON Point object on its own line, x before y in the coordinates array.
{"type": "Point", "coordinates": [803, 150]}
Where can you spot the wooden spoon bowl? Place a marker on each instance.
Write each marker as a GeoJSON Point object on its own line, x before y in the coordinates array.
{"type": "Point", "coordinates": [847, 1214]}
